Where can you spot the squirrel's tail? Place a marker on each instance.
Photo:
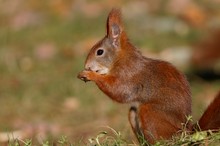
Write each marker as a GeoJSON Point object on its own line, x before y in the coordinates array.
{"type": "Point", "coordinates": [211, 117]}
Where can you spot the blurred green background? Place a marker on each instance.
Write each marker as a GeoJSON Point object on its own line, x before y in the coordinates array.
{"type": "Point", "coordinates": [44, 43]}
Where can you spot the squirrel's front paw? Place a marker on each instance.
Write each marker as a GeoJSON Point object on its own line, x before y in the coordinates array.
{"type": "Point", "coordinates": [85, 76]}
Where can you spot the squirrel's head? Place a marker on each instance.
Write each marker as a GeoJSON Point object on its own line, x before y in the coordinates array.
{"type": "Point", "coordinates": [103, 54]}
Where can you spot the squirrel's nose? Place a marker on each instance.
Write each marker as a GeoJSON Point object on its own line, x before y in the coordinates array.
{"type": "Point", "coordinates": [88, 68]}
{"type": "Point", "coordinates": [92, 67]}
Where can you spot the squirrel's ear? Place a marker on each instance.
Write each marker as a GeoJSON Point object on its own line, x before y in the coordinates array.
{"type": "Point", "coordinates": [114, 26]}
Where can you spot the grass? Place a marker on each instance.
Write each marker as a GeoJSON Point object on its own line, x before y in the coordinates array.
{"type": "Point", "coordinates": [111, 137]}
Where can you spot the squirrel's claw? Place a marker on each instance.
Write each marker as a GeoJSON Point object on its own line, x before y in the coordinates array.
{"type": "Point", "coordinates": [82, 77]}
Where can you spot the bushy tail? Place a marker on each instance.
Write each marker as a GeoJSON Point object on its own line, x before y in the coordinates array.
{"type": "Point", "coordinates": [211, 117]}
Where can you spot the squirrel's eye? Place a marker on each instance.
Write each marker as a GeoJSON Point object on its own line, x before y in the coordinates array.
{"type": "Point", "coordinates": [100, 52]}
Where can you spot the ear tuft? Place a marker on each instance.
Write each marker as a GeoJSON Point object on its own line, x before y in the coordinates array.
{"type": "Point", "coordinates": [114, 25]}
{"type": "Point", "coordinates": [114, 16]}
{"type": "Point", "coordinates": [114, 19]}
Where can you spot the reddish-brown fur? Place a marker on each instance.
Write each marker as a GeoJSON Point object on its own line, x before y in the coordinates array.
{"type": "Point", "coordinates": [159, 94]}
{"type": "Point", "coordinates": [211, 117]}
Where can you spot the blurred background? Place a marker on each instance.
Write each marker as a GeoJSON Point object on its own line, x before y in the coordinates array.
{"type": "Point", "coordinates": [44, 43]}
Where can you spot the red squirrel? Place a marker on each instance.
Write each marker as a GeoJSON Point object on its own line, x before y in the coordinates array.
{"type": "Point", "coordinates": [158, 93]}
